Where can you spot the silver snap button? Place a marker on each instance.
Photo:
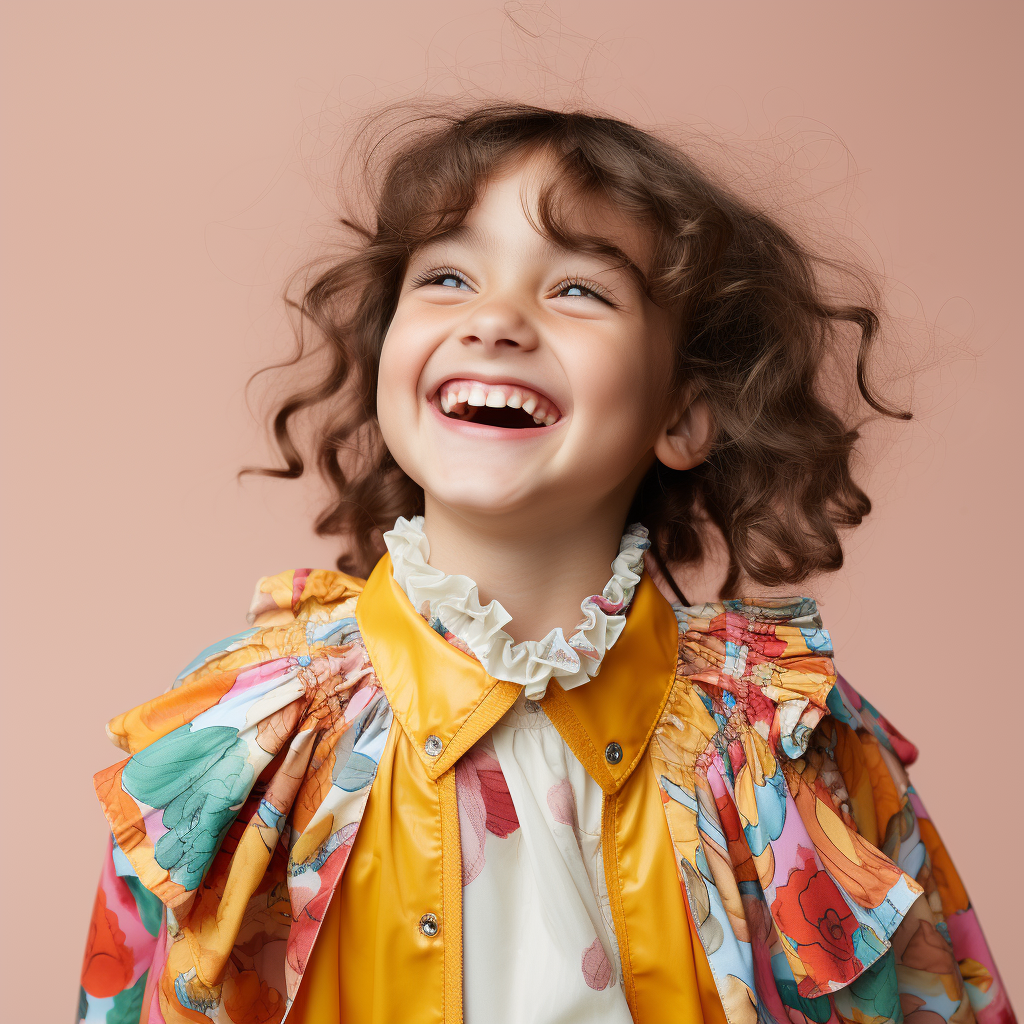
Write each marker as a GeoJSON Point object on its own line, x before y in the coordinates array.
{"type": "Point", "coordinates": [532, 706]}
{"type": "Point", "coordinates": [428, 925]}
{"type": "Point", "coordinates": [613, 753]}
{"type": "Point", "coordinates": [433, 746]}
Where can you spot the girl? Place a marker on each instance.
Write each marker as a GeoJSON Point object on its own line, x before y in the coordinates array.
{"type": "Point", "coordinates": [560, 346]}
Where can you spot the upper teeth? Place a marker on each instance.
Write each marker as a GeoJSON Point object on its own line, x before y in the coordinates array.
{"type": "Point", "coordinates": [497, 396]}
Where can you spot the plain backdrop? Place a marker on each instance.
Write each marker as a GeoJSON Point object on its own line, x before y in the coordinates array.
{"type": "Point", "coordinates": [166, 165]}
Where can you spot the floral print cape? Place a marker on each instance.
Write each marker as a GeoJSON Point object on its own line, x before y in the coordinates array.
{"type": "Point", "coordinates": [819, 883]}
{"type": "Point", "coordinates": [820, 887]}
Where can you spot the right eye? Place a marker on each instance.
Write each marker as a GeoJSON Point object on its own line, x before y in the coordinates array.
{"type": "Point", "coordinates": [445, 277]}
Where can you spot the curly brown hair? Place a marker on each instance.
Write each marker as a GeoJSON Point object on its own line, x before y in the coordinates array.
{"type": "Point", "coordinates": [757, 324]}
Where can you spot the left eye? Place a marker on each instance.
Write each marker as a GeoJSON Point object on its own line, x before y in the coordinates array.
{"type": "Point", "coordinates": [445, 277]}
{"type": "Point", "coordinates": [576, 289]}
{"type": "Point", "coordinates": [448, 281]}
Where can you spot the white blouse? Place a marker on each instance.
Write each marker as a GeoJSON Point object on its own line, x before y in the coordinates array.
{"type": "Point", "coordinates": [538, 937]}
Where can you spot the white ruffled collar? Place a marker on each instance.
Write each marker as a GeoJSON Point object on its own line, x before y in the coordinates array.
{"type": "Point", "coordinates": [451, 605]}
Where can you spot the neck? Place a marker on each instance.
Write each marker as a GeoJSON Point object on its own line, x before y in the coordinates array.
{"type": "Point", "coordinates": [539, 569]}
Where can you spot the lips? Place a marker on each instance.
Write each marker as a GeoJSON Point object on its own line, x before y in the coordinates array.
{"type": "Point", "coordinates": [495, 403]}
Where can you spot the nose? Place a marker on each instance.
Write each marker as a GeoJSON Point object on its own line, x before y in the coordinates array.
{"type": "Point", "coordinates": [498, 325]}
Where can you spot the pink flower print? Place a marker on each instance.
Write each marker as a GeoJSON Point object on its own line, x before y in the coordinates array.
{"type": "Point", "coordinates": [298, 586]}
{"type": "Point", "coordinates": [608, 607]}
{"type": "Point", "coordinates": [485, 805]}
{"type": "Point", "coordinates": [597, 968]}
{"type": "Point", "coordinates": [562, 804]}
{"type": "Point", "coordinates": [472, 818]}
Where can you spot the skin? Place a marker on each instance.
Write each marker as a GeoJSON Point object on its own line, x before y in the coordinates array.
{"type": "Point", "coordinates": [534, 517]}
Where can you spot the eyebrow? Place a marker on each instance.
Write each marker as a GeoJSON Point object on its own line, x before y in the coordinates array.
{"type": "Point", "coordinates": [614, 257]}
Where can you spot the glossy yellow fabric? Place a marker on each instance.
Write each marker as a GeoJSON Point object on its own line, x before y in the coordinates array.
{"type": "Point", "coordinates": [658, 947]}
{"type": "Point", "coordinates": [371, 964]}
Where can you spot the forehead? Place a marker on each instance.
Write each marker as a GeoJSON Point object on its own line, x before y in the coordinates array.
{"type": "Point", "coordinates": [510, 199]}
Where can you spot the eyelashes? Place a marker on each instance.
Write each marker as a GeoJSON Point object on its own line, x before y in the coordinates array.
{"type": "Point", "coordinates": [585, 286]}
{"type": "Point", "coordinates": [438, 274]}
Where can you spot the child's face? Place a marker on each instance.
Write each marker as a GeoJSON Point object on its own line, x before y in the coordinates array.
{"type": "Point", "coordinates": [495, 323]}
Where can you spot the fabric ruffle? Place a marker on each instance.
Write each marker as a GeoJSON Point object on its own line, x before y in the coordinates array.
{"type": "Point", "coordinates": [451, 605]}
{"type": "Point", "coordinates": [792, 903]}
{"type": "Point", "coordinates": [820, 888]}
{"type": "Point", "coordinates": [273, 734]}
{"type": "Point", "coordinates": [775, 646]}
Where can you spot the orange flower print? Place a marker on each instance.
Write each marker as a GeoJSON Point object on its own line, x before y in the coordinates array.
{"type": "Point", "coordinates": [249, 1000]}
{"type": "Point", "coordinates": [108, 961]}
{"type": "Point", "coordinates": [812, 913]}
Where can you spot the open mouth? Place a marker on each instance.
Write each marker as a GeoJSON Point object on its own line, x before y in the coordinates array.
{"type": "Point", "coordinates": [512, 406]}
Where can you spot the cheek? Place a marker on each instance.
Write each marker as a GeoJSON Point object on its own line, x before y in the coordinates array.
{"type": "Point", "coordinates": [396, 354]}
{"type": "Point", "coordinates": [397, 374]}
{"type": "Point", "coordinates": [411, 338]}
{"type": "Point", "coordinates": [620, 396]}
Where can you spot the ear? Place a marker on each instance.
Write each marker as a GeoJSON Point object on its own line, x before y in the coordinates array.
{"type": "Point", "coordinates": [685, 439]}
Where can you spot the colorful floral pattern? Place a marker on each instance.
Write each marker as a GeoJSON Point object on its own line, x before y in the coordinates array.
{"type": "Point", "coordinates": [274, 734]}
{"type": "Point", "coordinates": [802, 845]}
{"type": "Point", "coordinates": [819, 885]}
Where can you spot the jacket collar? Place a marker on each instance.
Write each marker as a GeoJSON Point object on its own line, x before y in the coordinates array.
{"type": "Point", "coordinates": [445, 700]}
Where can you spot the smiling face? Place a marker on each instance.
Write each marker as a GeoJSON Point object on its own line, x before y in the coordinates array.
{"type": "Point", "coordinates": [521, 379]}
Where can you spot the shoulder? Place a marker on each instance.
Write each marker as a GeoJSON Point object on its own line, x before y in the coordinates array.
{"type": "Point", "coordinates": [770, 774]}
{"type": "Point", "coordinates": [267, 707]}
{"type": "Point", "coordinates": [321, 595]}
{"type": "Point", "coordinates": [297, 618]}
{"type": "Point", "coordinates": [765, 665]}
{"type": "Point", "coordinates": [769, 664]}
{"type": "Point", "coordinates": [294, 612]}
{"type": "Point", "coordinates": [848, 706]}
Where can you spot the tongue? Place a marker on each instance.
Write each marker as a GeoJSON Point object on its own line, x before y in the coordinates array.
{"type": "Point", "coordinates": [515, 419]}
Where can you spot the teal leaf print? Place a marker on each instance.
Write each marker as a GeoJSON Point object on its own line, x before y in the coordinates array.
{"type": "Point", "coordinates": [151, 910]}
{"type": "Point", "coordinates": [875, 994]}
{"type": "Point", "coordinates": [817, 1009]}
{"type": "Point", "coordinates": [197, 777]}
{"type": "Point", "coordinates": [771, 813]}
{"type": "Point", "coordinates": [358, 773]}
{"type": "Point", "coordinates": [128, 1003]}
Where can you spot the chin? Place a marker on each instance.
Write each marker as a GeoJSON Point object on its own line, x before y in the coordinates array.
{"type": "Point", "coordinates": [477, 504]}
{"type": "Point", "coordinates": [477, 499]}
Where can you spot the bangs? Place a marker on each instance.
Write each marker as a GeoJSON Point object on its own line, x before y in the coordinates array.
{"type": "Point", "coordinates": [430, 194]}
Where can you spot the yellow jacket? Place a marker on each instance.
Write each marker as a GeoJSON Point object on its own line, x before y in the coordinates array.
{"type": "Point", "coordinates": [759, 836]}
{"type": "Point", "coordinates": [372, 962]}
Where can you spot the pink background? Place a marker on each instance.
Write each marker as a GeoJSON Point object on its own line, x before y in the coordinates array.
{"type": "Point", "coordinates": [167, 165]}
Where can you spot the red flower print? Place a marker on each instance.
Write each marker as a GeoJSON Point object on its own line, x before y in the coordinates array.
{"type": "Point", "coordinates": [485, 805]}
{"type": "Point", "coordinates": [811, 911]}
{"type": "Point", "coordinates": [597, 968]}
{"type": "Point", "coordinates": [759, 637]}
{"type": "Point", "coordinates": [502, 819]}
{"type": "Point", "coordinates": [732, 828]}
{"type": "Point", "coordinates": [108, 961]}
